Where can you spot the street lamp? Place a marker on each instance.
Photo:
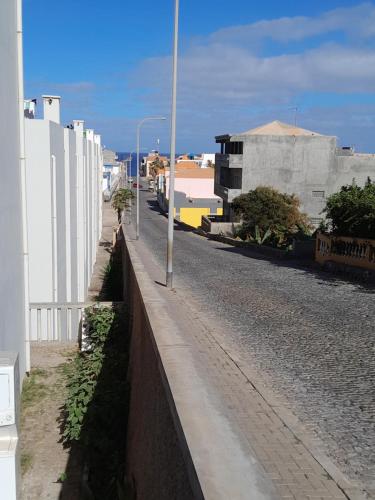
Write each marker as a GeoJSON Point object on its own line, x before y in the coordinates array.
{"type": "Point", "coordinates": [169, 276]}
{"type": "Point", "coordinates": [150, 118]}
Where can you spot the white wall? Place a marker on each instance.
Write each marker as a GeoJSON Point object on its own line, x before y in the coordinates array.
{"type": "Point", "coordinates": [12, 302]}
{"type": "Point", "coordinates": [62, 187]}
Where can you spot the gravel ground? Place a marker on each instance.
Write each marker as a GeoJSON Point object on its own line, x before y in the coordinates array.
{"type": "Point", "coordinates": [310, 333]}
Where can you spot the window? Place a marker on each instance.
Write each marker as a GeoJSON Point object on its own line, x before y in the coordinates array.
{"type": "Point", "coordinates": [318, 194]}
{"type": "Point", "coordinates": [234, 148]}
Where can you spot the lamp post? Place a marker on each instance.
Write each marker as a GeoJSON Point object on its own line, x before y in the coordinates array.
{"type": "Point", "coordinates": [169, 276]}
{"type": "Point", "coordinates": [150, 118]}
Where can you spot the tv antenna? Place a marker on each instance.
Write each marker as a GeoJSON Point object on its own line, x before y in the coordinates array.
{"type": "Point", "coordinates": [295, 109]}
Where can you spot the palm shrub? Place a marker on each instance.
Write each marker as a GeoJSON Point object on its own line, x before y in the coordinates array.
{"type": "Point", "coordinates": [351, 211]}
{"type": "Point", "coordinates": [121, 200]}
{"type": "Point", "coordinates": [270, 217]}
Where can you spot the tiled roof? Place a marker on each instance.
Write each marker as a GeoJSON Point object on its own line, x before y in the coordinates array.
{"type": "Point", "coordinates": [279, 128]}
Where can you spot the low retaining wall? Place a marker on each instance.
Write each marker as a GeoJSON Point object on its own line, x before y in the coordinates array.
{"type": "Point", "coordinates": [218, 227]}
{"type": "Point", "coordinates": [353, 252]}
{"type": "Point", "coordinates": [156, 466]}
{"type": "Point", "coordinates": [301, 249]}
{"type": "Point", "coordinates": [179, 446]}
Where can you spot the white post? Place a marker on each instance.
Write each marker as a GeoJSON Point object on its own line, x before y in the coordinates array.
{"type": "Point", "coordinates": [169, 277]}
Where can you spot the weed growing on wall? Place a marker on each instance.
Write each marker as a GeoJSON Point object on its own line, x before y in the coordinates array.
{"type": "Point", "coordinates": [87, 368]}
{"type": "Point", "coordinates": [97, 402]}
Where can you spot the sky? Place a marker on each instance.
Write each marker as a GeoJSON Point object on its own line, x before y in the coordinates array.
{"type": "Point", "coordinates": [241, 64]}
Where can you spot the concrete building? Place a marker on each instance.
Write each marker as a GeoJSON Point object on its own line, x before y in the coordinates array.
{"type": "Point", "coordinates": [290, 159]}
{"type": "Point", "coordinates": [194, 194]}
{"type": "Point", "coordinates": [64, 195]}
{"type": "Point", "coordinates": [13, 247]}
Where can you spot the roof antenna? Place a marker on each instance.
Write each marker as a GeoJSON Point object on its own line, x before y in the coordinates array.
{"type": "Point", "coordinates": [295, 108]}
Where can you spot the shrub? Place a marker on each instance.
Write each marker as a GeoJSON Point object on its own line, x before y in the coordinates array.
{"type": "Point", "coordinates": [270, 217]}
{"type": "Point", "coordinates": [351, 211]}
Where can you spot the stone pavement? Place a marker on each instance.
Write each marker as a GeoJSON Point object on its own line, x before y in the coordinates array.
{"type": "Point", "coordinates": [286, 452]}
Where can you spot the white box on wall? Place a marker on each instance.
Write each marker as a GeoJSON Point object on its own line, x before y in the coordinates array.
{"type": "Point", "coordinates": [9, 388]}
{"type": "Point", "coordinates": [9, 463]}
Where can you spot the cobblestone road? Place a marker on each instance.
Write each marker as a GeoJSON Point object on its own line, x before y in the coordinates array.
{"type": "Point", "coordinates": [310, 334]}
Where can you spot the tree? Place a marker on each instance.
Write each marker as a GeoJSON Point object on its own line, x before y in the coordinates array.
{"type": "Point", "coordinates": [351, 211]}
{"type": "Point", "coordinates": [121, 200]}
{"type": "Point", "coordinates": [156, 166]}
{"type": "Point", "coordinates": [271, 216]}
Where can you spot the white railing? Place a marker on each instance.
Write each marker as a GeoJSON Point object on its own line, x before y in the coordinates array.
{"type": "Point", "coordinates": [53, 321]}
{"type": "Point", "coordinates": [59, 322]}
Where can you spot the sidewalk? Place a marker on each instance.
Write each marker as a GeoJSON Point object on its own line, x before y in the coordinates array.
{"type": "Point", "coordinates": [103, 252]}
{"type": "Point", "coordinates": [284, 452]}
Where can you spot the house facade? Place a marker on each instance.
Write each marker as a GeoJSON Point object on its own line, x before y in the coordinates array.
{"type": "Point", "coordinates": [290, 159]}
{"type": "Point", "coordinates": [194, 194]}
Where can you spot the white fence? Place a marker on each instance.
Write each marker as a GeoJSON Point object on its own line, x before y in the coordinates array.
{"type": "Point", "coordinates": [60, 322]}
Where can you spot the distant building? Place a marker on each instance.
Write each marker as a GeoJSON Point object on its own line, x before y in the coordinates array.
{"type": "Point", "coordinates": [29, 108]}
{"type": "Point", "coordinates": [290, 159]}
{"type": "Point", "coordinates": [149, 159]}
{"type": "Point", "coordinates": [112, 169]}
{"type": "Point", "coordinates": [208, 159]}
{"type": "Point", "coordinates": [194, 194]}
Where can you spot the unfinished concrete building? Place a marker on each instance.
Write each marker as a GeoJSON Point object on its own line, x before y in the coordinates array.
{"type": "Point", "coordinates": [290, 159]}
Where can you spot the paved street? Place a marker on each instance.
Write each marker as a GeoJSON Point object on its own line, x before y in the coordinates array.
{"type": "Point", "coordinates": [309, 334]}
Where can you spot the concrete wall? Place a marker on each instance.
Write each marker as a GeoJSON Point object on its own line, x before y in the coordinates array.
{"type": "Point", "coordinates": [12, 306]}
{"type": "Point", "coordinates": [155, 456]}
{"type": "Point", "coordinates": [349, 167]}
{"type": "Point", "coordinates": [300, 165]}
{"type": "Point", "coordinates": [39, 216]}
{"type": "Point", "coordinates": [63, 185]}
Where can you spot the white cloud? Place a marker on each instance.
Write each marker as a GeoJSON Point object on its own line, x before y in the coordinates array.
{"type": "Point", "coordinates": [225, 78]}
{"type": "Point", "coordinates": [358, 20]}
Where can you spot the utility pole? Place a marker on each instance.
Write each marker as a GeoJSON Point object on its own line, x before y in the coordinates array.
{"type": "Point", "coordinates": [169, 276]}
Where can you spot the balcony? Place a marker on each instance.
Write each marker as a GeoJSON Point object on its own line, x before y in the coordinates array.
{"type": "Point", "coordinates": [231, 161]}
{"type": "Point", "coordinates": [227, 194]}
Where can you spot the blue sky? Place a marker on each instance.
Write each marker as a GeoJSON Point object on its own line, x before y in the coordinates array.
{"type": "Point", "coordinates": [241, 64]}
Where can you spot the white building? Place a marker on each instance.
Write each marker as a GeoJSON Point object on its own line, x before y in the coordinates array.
{"type": "Point", "coordinates": [207, 159]}
{"type": "Point", "coordinates": [13, 246]}
{"type": "Point", "coordinates": [64, 168]}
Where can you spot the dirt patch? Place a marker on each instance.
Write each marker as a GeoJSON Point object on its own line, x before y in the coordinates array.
{"type": "Point", "coordinates": [43, 457]}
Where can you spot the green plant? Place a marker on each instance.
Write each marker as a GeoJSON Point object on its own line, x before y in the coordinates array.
{"type": "Point", "coordinates": [62, 477]}
{"type": "Point", "coordinates": [26, 462]}
{"type": "Point", "coordinates": [121, 200]}
{"type": "Point", "coordinates": [96, 408]}
{"type": "Point", "coordinates": [270, 216]}
{"type": "Point", "coordinates": [33, 390]}
{"type": "Point", "coordinates": [87, 368]}
{"type": "Point", "coordinates": [351, 211]}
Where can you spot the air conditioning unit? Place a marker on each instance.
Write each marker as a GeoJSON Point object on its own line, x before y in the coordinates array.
{"type": "Point", "coordinates": [9, 388]}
